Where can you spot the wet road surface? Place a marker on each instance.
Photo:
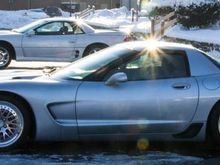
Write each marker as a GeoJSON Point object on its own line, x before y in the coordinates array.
{"type": "Point", "coordinates": [157, 153]}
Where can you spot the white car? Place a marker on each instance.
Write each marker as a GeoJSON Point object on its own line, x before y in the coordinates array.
{"type": "Point", "coordinates": [55, 39]}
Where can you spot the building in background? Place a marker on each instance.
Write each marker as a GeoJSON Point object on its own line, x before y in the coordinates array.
{"type": "Point", "coordinates": [80, 4]}
{"type": "Point", "coordinates": [129, 3]}
{"type": "Point", "coordinates": [27, 4]}
{"type": "Point", "coordinates": [99, 4]}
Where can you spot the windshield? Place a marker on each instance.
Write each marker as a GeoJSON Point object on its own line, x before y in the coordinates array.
{"type": "Point", "coordinates": [29, 26]}
{"type": "Point", "coordinates": [90, 64]}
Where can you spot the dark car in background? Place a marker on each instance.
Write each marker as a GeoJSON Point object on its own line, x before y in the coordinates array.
{"type": "Point", "coordinates": [70, 7]}
{"type": "Point", "coordinates": [53, 11]}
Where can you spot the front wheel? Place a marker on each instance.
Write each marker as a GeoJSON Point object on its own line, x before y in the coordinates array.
{"type": "Point", "coordinates": [14, 123]}
{"type": "Point", "coordinates": [5, 56]}
{"type": "Point", "coordinates": [93, 49]}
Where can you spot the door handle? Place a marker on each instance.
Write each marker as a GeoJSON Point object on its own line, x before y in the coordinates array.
{"type": "Point", "coordinates": [72, 42]}
{"type": "Point", "coordinates": [181, 86]}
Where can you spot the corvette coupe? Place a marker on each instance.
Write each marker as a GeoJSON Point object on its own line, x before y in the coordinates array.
{"type": "Point", "coordinates": [143, 89]}
{"type": "Point", "coordinates": [55, 39]}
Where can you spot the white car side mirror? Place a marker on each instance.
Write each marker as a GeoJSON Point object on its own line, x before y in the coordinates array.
{"type": "Point", "coordinates": [30, 33]}
{"type": "Point", "coordinates": [117, 78]}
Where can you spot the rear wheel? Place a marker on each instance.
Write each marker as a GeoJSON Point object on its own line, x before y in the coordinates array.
{"type": "Point", "coordinates": [14, 123]}
{"type": "Point", "coordinates": [5, 56]}
{"type": "Point", "coordinates": [214, 125]}
{"type": "Point", "coordinates": [93, 49]}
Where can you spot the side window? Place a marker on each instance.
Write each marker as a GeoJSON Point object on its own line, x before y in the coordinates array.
{"type": "Point", "coordinates": [53, 28]}
{"type": "Point", "coordinates": [159, 66]}
{"type": "Point", "coordinates": [69, 28]}
{"type": "Point", "coordinates": [72, 28]}
{"type": "Point", "coordinates": [77, 29]}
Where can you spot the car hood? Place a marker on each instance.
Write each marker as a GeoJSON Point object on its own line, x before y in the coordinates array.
{"type": "Point", "coordinates": [19, 75]}
{"type": "Point", "coordinates": [8, 32]}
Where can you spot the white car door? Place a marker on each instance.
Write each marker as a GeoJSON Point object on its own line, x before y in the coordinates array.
{"type": "Point", "coordinates": [159, 97]}
{"type": "Point", "coordinates": [53, 41]}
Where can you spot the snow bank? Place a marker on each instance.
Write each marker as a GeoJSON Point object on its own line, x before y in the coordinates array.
{"type": "Point", "coordinates": [110, 13]}
{"type": "Point", "coordinates": [118, 18]}
{"type": "Point", "coordinates": [147, 7]}
{"type": "Point", "coordinates": [214, 53]}
{"type": "Point", "coordinates": [110, 18]}
{"type": "Point", "coordinates": [201, 35]}
{"type": "Point", "coordinates": [15, 19]}
{"type": "Point", "coordinates": [175, 2]}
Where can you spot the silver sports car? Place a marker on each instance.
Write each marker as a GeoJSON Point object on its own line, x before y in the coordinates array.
{"type": "Point", "coordinates": [54, 39]}
{"type": "Point", "coordinates": [152, 90]}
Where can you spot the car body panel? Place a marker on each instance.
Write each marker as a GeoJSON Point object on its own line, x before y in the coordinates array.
{"type": "Point", "coordinates": [99, 112]}
{"type": "Point", "coordinates": [54, 110]}
{"type": "Point", "coordinates": [209, 88]}
{"type": "Point", "coordinates": [199, 64]}
{"type": "Point", "coordinates": [11, 37]}
{"type": "Point", "coordinates": [58, 47]}
{"type": "Point", "coordinates": [153, 109]}
{"type": "Point", "coordinates": [49, 47]}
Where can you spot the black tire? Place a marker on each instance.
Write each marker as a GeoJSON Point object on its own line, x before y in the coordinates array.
{"type": "Point", "coordinates": [23, 139]}
{"type": "Point", "coordinates": [214, 127]}
{"type": "Point", "coordinates": [90, 49]}
{"type": "Point", "coordinates": [5, 49]}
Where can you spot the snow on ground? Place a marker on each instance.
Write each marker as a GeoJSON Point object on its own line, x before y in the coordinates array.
{"type": "Point", "coordinates": [15, 19]}
{"type": "Point", "coordinates": [110, 18]}
{"type": "Point", "coordinates": [154, 3]}
{"type": "Point", "coordinates": [214, 53]}
{"type": "Point", "coordinates": [209, 35]}
{"type": "Point", "coordinates": [117, 18]}
{"type": "Point", "coordinates": [152, 158]}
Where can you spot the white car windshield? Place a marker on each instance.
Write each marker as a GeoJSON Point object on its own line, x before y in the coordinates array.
{"type": "Point", "coordinates": [29, 26]}
{"type": "Point", "coordinates": [90, 64]}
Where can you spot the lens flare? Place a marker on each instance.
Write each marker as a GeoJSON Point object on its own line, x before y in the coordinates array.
{"type": "Point", "coordinates": [143, 144]}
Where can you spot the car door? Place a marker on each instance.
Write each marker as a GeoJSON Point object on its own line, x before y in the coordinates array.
{"type": "Point", "coordinates": [52, 41]}
{"type": "Point", "coordinates": [159, 97]}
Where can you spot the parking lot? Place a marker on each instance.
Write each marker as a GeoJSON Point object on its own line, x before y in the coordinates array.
{"type": "Point", "coordinates": [110, 153]}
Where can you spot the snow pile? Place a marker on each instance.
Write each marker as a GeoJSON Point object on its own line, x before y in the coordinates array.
{"type": "Point", "coordinates": [111, 13]}
{"type": "Point", "coordinates": [148, 6]}
{"type": "Point", "coordinates": [209, 35]}
{"type": "Point", "coordinates": [15, 19]}
{"type": "Point", "coordinates": [214, 53]}
{"type": "Point", "coordinates": [154, 3]}
{"type": "Point", "coordinates": [110, 18]}
{"type": "Point", "coordinates": [119, 18]}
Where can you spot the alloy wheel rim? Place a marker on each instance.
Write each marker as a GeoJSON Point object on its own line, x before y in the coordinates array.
{"type": "Point", "coordinates": [11, 124]}
{"type": "Point", "coordinates": [94, 50]}
{"type": "Point", "coordinates": [4, 56]}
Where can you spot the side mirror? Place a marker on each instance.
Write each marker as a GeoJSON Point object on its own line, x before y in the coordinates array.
{"type": "Point", "coordinates": [30, 33]}
{"type": "Point", "coordinates": [117, 78]}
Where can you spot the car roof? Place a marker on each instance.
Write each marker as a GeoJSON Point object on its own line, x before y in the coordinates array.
{"type": "Point", "coordinates": [151, 44]}
{"type": "Point", "coordinates": [60, 19]}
